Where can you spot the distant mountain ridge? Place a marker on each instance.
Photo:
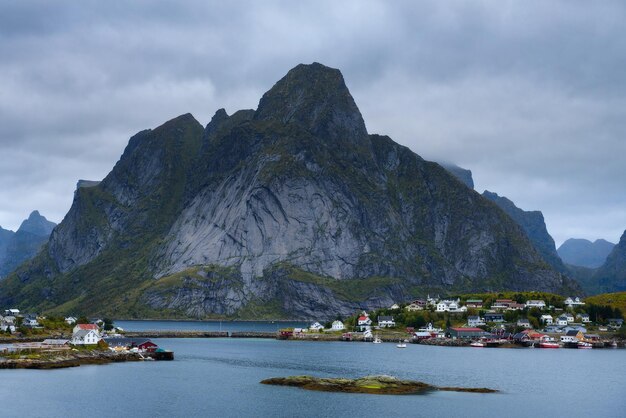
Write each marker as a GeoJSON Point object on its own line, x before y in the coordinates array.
{"type": "Point", "coordinates": [292, 210]}
{"type": "Point", "coordinates": [584, 253]}
{"type": "Point", "coordinates": [611, 276]}
{"type": "Point", "coordinates": [17, 247]}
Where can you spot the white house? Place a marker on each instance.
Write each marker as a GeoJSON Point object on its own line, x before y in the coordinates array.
{"type": "Point", "coordinates": [338, 326]}
{"type": "Point", "coordinates": [395, 306]}
{"type": "Point", "coordinates": [414, 307]}
{"type": "Point", "coordinates": [70, 320]}
{"type": "Point", "coordinates": [386, 321]}
{"type": "Point", "coordinates": [30, 322]}
{"type": "Point", "coordinates": [474, 321]}
{"type": "Point", "coordinates": [570, 317]}
{"type": "Point", "coordinates": [561, 320]}
{"type": "Point", "coordinates": [536, 304]}
{"type": "Point", "coordinates": [449, 306]}
{"type": "Point", "coordinates": [364, 321]}
{"type": "Point", "coordinates": [584, 318]}
{"type": "Point", "coordinates": [85, 337]}
{"type": "Point", "coordinates": [316, 327]}
{"type": "Point", "coordinates": [571, 302]}
{"type": "Point", "coordinates": [11, 312]}
{"type": "Point", "coordinates": [547, 319]}
{"type": "Point", "coordinates": [523, 322]}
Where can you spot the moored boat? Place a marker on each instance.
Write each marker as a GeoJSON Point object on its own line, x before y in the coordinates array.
{"type": "Point", "coordinates": [478, 344]}
{"type": "Point", "coordinates": [548, 342]}
{"type": "Point", "coordinates": [584, 344]}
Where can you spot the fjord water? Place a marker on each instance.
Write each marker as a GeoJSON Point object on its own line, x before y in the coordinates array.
{"type": "Point", "coordinates": [220, 378]}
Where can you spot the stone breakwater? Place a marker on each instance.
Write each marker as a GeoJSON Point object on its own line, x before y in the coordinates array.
{"type": "Point", "coordinates": [66, 359]}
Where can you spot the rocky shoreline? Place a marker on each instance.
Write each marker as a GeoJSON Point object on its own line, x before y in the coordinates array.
{"type": "Point", "coordinates": [67, 359]}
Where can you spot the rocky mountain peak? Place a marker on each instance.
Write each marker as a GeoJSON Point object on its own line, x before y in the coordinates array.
{"type": "Point", "coordinates": [316, 98]}
{"type": "Point", "coordinates": [37, 224]}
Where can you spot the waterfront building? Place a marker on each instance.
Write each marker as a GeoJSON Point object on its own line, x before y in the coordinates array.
{"type": "Point", "coordinates": [466, 333]}
{"type": "Point", "coordinates": [316, 326]}
{"type": "Point", "coordinates": [85, 337]}
{"type": "Point", "coordinates": [338, 326]}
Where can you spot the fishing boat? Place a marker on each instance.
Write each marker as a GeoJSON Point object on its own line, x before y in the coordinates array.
{"type": "Point", "coordinates": [377, 340]}
{"type": "Point", "coordinates": [548, 342]}
{"type": "Point", "coordinates": [584, 344]}
{"type": "Point", "coordinates": [401, 344]}
{"type": "Point", "coordinates": [477, 344]}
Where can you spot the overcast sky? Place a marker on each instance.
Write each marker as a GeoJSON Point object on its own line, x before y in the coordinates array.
{"type": "Point", "coordinates": [531, 96]}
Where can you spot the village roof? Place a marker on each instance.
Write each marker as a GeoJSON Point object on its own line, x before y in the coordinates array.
{"type": "Point", "coordinates": [473, 317]}
{"type": "Point", "coordinates": [363, 318]}
{"type": "Point", "coordinates": [493, 314]}
{"type": "Point", "coordinates": [469, 329]}
{"type": "Point", "coordinates": [87, 326]}
{"type": "Point", "coordinates": [125, 341]}
{"type": "Point", "coordinates": [572, 332]}
{"type": "Point", "coordinates": [52, 341]}
{"type": "Point", "coordinates": [385, 318]}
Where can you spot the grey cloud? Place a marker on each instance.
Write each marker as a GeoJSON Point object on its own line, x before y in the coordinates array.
{"type": "Point", "coordinates": [529, 95]}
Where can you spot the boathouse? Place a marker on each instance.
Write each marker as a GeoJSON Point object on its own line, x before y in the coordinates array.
{"type": "Point", "coordinates": [466, 333]}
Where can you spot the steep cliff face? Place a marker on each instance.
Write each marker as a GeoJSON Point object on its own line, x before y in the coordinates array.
{"type": "Point", "coordinates": [584, 253]}
{"type": "Point", "coordinates": [533, 224]}
{"type": "Point", "coordinates": [25, 243]}
{"type": "Point", "coordinates": [292, 210]}
{"type": "Point", "coordinates": [611, 276]}
{"type": "Point", "coordinates": [462, 174]}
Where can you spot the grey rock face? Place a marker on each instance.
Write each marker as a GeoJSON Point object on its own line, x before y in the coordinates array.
{"type": "Point", "coordinates": [291, 211]}
{"type": "Point", "coordinates": [533, 224]}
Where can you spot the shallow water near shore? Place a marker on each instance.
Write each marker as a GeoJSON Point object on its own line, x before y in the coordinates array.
{"type": "Point", "coordinates": [220, 377]}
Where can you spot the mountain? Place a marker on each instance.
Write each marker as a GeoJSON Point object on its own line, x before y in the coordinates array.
{"type": "Point", "coordinates": [17, 247]}
{"type": "Point", "coordinates": [611, 276]}
{"type": "Point", "coordinates": [462, 174]}
{"type": "Point", "coordinates": [533, 224]}
{"type": "Point", "coordinates": [291, 210]}
{"type": "Point", "coordinates": [584, 253]}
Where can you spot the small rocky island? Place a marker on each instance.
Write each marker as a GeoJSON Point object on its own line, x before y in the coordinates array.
{"type": "Point", "coordinates": [378, 385]}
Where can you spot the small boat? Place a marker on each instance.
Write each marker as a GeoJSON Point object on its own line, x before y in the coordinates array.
{"type": "Point", "coordinates": [584, 344]}
{"type": "Point", "coordinates": [377, 340]}
{"type": "Point", "coordinates": [613, 344]}
{"type": "Point", "coordinates": [477, 344]}
{"type": "Point", "coordinates": [401, 344]}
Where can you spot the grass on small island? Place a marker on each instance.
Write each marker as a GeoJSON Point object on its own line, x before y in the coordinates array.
{"type": "Point", "coordinates": [374, 385]}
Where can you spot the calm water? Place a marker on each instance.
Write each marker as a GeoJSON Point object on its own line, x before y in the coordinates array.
{"type": "Point", "coordinates": [230, 326]}
{"type": "Point", "coordinates": [220, 377]}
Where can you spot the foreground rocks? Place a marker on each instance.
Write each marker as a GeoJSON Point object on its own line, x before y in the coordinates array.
{"type": "Point", "coordinates": [66, 359]}
{"type": "Point", "coordinates": [378, 385]}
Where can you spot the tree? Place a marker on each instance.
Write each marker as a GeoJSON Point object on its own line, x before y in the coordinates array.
{"type": "Point", "coordinates": [108, 324]}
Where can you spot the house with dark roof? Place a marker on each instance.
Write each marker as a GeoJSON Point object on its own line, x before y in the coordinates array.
{"type": "Point", "coordinates": [474, 321]}
{"type": "Point", "coordinates": [494, 317]}
{"type": "Point", "coordinates": [386, 322]}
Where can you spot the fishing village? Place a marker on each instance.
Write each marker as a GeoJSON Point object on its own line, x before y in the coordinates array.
{"type": "Point", "coordinates": [488, 320]}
